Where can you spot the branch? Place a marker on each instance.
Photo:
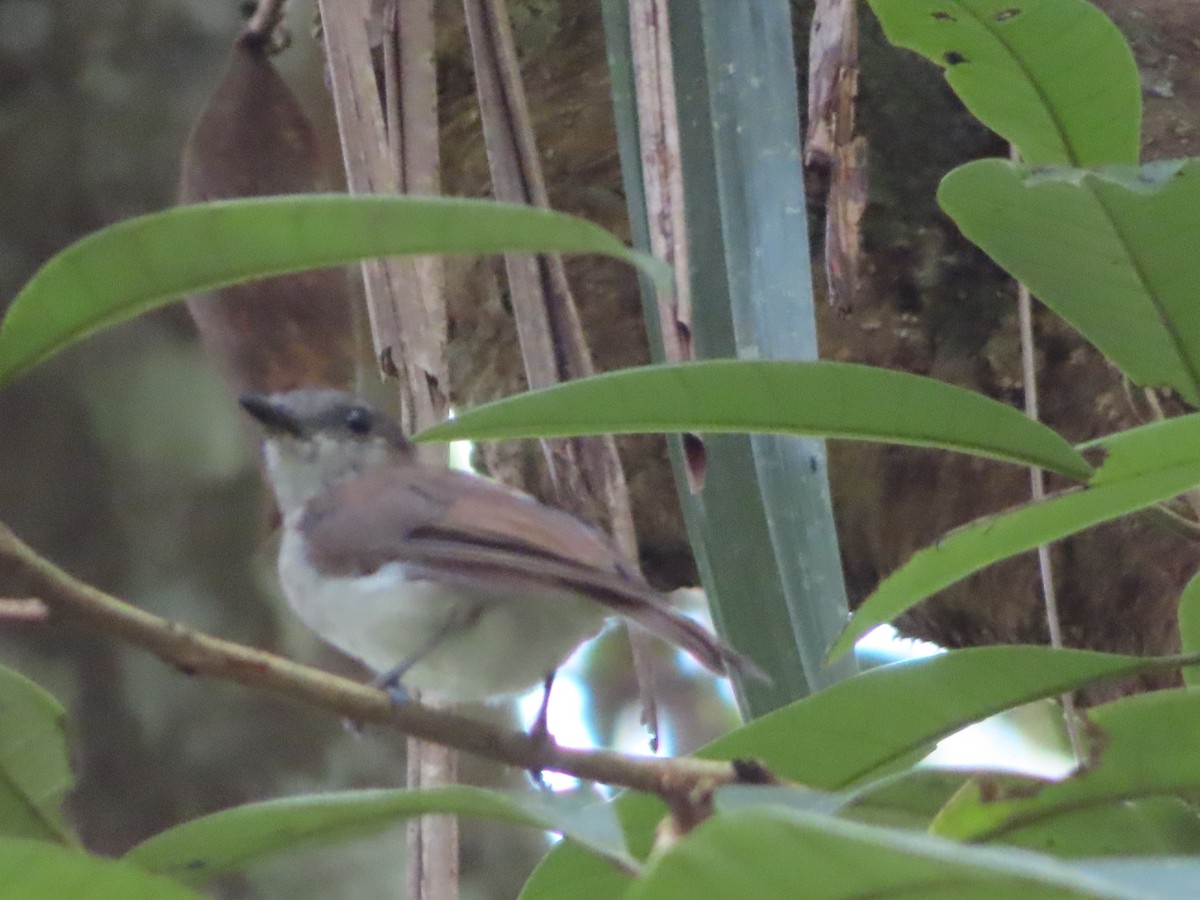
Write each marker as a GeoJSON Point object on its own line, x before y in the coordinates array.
{"type": "Point", "coordinates": [681, 782]}
{"type": "Point", "coordinates": [22, 609]}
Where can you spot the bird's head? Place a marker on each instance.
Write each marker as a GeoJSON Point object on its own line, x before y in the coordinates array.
{"type": "Point", "coordinates": [318, 437]}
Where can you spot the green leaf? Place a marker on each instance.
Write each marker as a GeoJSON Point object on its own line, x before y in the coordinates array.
{"type": "Point", "coordinates": [772, 575]}
{"type": "Point", "coordinates": [140, 264]}
{"type": "Point", "coordinates": [1144, 466]}
{"type": "Point", "coordinates": [909, 799]}
{"type": "Point", "coordinates": [233, 839]}
{"type": "Point", "coordinates": [1155, 826]}
{"type": "Point", "coordinates": [32, 870]}
{"type": "Point", "coordinates": [839, 400]}
{"type": "Point", "coordinates": [569, 870]}
{"type": "Point", "coordinates": [1112, 252]}
{"type": "Point", "coordinates": [866, 725]}
{"type": "Point", "coordinates": [788, 796]}
{"type": "Point", "coordinates": [1056, 79]}
{"type": "Point", "coordinates": [1143, 746]}
{"type": "Point", "coordinates": [35, 772]}
{"type": "Point", "coordinates": [1189, 626]}
{"type": "Point", "coordinates": [780, 854]}
{"type": "Point", "coordinates": [869, 722]}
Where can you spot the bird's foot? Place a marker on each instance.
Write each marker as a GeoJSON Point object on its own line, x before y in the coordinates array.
{"type": "Point", "coordinates": [399, 694]}
{"type": "Point", "coordinates": [389, 683]}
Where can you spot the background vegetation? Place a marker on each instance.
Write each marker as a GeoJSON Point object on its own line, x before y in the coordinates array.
{"type": "Point", "coordinates": [1101, 238]}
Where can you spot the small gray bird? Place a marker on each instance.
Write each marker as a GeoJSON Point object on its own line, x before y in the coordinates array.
{"type": "Point", "coordinates": [445, 582]}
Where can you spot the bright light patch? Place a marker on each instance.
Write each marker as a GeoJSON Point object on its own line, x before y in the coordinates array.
{"type": "Point", "coordinates": [1029, 740]}
{"type": "Point", "coordinates": [460, 453]}
{"type": "Point", "coordinates": [1026, 740]}
{"type": "Point", "coordinates": [565, 718]}
{"type": "Point", "coordinates": [886, 641]}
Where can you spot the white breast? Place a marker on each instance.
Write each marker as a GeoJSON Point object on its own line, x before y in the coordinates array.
{"type": "Point", "coordinates": [502, 643]}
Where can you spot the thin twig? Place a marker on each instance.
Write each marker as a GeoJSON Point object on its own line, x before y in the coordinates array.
{"type": "Point", "coordinates": [22, 609]}
{"type": "Point", "coordinates": [1037, 483]}
{"type": "Point", "coordinates": [195, 653]}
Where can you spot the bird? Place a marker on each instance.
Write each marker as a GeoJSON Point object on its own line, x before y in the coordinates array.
{"type": "Point", "coordinates": [440, 581]}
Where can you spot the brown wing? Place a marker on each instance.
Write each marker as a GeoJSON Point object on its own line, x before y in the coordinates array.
{"type": "Point", "coordinates": [458, 527]}
{"type": "Point", "coordinates": [383, 515]}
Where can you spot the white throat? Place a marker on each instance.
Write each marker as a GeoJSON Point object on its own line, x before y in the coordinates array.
{"type": "Point", "coordinates": [299, 470]}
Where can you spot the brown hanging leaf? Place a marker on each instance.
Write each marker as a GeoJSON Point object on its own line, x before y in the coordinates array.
{"type": "Point", "coordinates": [253, 139]}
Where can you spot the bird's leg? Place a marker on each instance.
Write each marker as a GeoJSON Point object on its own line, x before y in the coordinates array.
{"type": "Point", "coordinates": [540, 731]}
{"type": "Point", "coordinates": [390, 680]}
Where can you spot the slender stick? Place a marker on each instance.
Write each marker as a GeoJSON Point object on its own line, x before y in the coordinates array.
{"type": "Point", "coordinates": [195, 653]}
{"type": "Point", "coordinates": [1037, 483]}
{"type": "Point", "coordinates": [22, 609]}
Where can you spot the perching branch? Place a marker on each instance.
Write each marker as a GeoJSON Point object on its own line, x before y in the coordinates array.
{"type": "Point", "coordinates": [681, 782]}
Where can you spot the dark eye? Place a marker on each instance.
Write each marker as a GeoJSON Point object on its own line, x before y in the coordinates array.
{"type": "Point", "coordinates": [359, 420]}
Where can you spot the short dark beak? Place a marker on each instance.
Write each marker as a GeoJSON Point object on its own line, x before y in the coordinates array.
{"type": "Point", "coordinates": [270, 413]}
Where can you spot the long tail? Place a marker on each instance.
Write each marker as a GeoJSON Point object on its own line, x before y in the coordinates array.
{"type": "Point", "coordinates": [647, 610]}
{"type": "Point", "coordinates": [623, 595]}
